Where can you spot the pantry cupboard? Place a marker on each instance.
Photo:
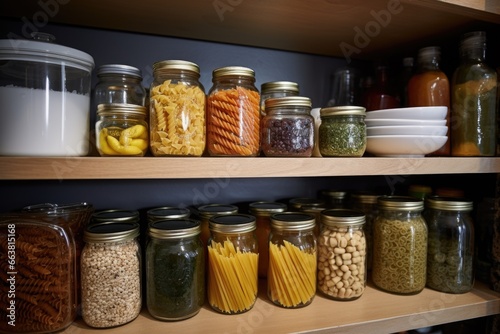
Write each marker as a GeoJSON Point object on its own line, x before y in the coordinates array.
{"type": "Point", "coordinates": [303, 32]}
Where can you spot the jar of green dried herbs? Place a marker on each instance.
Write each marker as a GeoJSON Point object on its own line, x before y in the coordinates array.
{"type": "Point", "coordinates": [342, 132]}
{"type": "Point", "coordinates": [175, 269]}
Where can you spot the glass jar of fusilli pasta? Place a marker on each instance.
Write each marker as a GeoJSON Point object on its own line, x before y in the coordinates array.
{"type": "Point", "coordinates": [232, 263]}
{"type": "Point", "coordinates": [399, 245]}
{"type": "Point", "coordinates": [291, 277]}
{"type": "Point", "coordinates": [177, 110]}
{"type": "Point", "coordinates": [233, 113]}
{"type": "Point", "coordinates": [450, 253]}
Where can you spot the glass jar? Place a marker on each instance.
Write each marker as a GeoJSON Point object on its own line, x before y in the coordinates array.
{"type": "Point", "coordinates": [111, 274]}
{"type": "Point", "coordinates": [232, 263]}
{"type": "Point", "coordinates": [342, 254]}
{"type": "Point", "coordinates": [382, 94]}
{"type": "Point", "coordinates": [121, 130]}
{"type": "Point", "coordinates": [175, 269]}
{"type": "Point", "coordinates": [473, 97]}
{"type": "Point", "coordinates": [38, 287]}
{"type": "Point", "coordinates": [287, 130]}
{"type": "Point", "coordinates": [484, 236]}
{"type": "Point", "coordinates": [116, 216]}
{"type": "Point", "coordinates": [334, 199]}
{"type": "Point", "coordinates": [291, 279]}
{"type": "Point", "coordinates": [262, 212]}
{"type": "Point", "coordinates": [316, 212]}
{"type": "Point", "coordinates": [166, 212]}
{"type": "Point", "coordinates": [342, 132]}
{"type": "Point", "coordinates": [233, 116]}
{"type": "Point", "coordinates": [119, 83]}
{"type": "Point", "coordinates": [450, 251]}
{"type": "Point", "coordinates": [276, 89]}
{"type": "Point", "coordinates": [177, 109]}
{"type": "Point", "coordinates": [399, 245]}
{"type": "Point", "coordinates": [205, 212]}
{"type": "Point", "coordinates": [345, 87]}
{"type": "Point", "coordinates": [295, 204]}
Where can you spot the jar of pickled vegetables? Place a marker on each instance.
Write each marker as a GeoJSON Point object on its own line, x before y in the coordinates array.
{"type": "Point", "coordinates": [399, 245]}
{"type": "Point", "coordinates": [450, 252]}
{"type": "Point", "coordinates": [177, 109]}
{"type": "Point", "coordinates": [121, 130]}
{"type": "Point", "coordinates": [232, 263]}
{"type": "Point", "coordinates": [276, 89]}
{"type": "Point", "coordinates": [233, 113]}
{"type": "Point", "coordinates": [291, 278]}
{"type": "Point", "coordinates": [118, 83]}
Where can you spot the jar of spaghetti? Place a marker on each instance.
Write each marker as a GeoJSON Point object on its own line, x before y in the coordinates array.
{"type": "Point", "coordinates": [399, 245]}
{"type": "Point", "coordinates": [276, 89]}
{"type": "Point", "coordinates": [175, 269]}
{"type": "Point", "coordinates": [233, 116]}
{"type": "Point", "coordinates": [262, 212]}
{"type": "Point", "coordinates": [232, 263]}
{"type": "Point", "coordinates": [121, 130]}
{"type": "Point", "coordinates": [450, 251]}
{"type": "Point", "coordinates": [287, 130]}
{"type": "Point", "coordinates": [291, 278]}
{"type": "Point", "coordinates": [342, 254]}
{"type": "Point", "coordinates": [167, 212]}
{"type": "Point", "coordinates": [205, 212]}
{"type": "Point", "coordinates": [177, 109]}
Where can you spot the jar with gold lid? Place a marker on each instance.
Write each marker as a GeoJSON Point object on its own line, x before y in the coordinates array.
{"type": "Point", "coordinates": [167, 212]}
{"type": "Point", "coordinates": [276, 89]}
{"type": "Point", "coordinates": [115, 215]}
{"type": "Point", "coordinates": [119, 83]}
{"type": "Point", "coordinates": [207, 211]}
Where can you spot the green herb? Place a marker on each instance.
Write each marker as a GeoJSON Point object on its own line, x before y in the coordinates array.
{"type": "Point", "coordinates": [342, 136]}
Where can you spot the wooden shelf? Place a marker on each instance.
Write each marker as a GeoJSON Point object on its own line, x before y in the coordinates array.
{"type": "Point", "coordinates": [375, 312]}
{"type": "Point", "coordinates": [37, 168]}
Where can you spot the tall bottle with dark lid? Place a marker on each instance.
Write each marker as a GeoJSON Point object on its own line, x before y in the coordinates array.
{"type": "Point", "coordinates": [232, 263]}
{"type": "Point", "coordinates": [175, 269]}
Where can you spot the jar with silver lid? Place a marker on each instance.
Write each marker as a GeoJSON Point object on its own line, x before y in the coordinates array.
{"type": "Point", "coordinates": [450, 252]}
{"type": "Point", "coordinates": [291, 279]}
{"type": "Point", "coordinates": [116, 216]}
{"type": "Point", "coordinates": [121, 130]}
{"type": "Point", "coordinates": [167, 212]}
{"type": "Point", "coordinates": [118, 83]}
{"type": "Point", "coordinates": [276, 89]}
{"type": "Point", "coordinates": [111, 274]}
{"type": "Point", "coordinates": [287, 129]}
{"type": "Point", "coordinates": [342, 265]}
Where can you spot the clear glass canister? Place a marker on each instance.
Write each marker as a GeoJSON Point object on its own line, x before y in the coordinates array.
{"type": "Point", "coordinates": [450, 251]}
{"type": "Point", "coordinates": [287, 130]}
{"type": "Point", "coordinates": [291, 279]}
{"type": "Point", "coordinates": [399, 245]}
{"type": "Point", "coordinates": [118, 83]}
{"type": "Point", "coordinates": [262, 212]}
{"type": "Point", "coordinates": [111, 274]}
{"type": "Point", "coordinates": [276, 89]}
{"type": "Point", "coordinates": [175, 269]}
{"type": "Point", "coordinates": [167, 212]}
{"type": "Point", "coordinates": [342, 132]}
{"type": "Point", "coordinates": [205, 212]}
{"type": "Point", "coordinates": [177, 109]}
{"type": "Point", "coordinates": [342, 254]}
{"type": "Point", "coordinates": [121, 130]}
{"type": "Point", "coordinates": [116, 216]}
{"type": "Point", "coordinates": [232, 263]}
{"type": "Point", "coordinates": [233, 113]}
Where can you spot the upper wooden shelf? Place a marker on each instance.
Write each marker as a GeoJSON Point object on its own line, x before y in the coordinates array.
{"type": "Point", "coordinates": [38, 168]}
{"type": "Point", "coordinates": [325, 27]}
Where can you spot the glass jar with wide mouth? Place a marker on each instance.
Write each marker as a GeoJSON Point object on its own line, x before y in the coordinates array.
{"type": "Point", "coordinates": [167, 212]}
{"type": "Point", "coordinates": [111, 274]}
{"type": "Point", "coordinates": [275, 89]}
{"type": "Point", "coordinates": [119, 83]}
{"type": "Point", "coordinates": [175, 269]}
{"type": "Point", "coordinates": [233, 260]}
{"type": "Point", "coordinates": [177, 109]}
{"type": "Point", "coordinates": [342, 254]}
{"type": "Point", "coordinates": [342, 132]}
{"type": "Point", "coordinates": [291, 278]}
{"type": "Point", "coordinates": [450, 251]}
{"type": "Point", "coordinates": [115, 215]}
{"type": "Point", "coordinates": [207, 211]}
{"type": "Point", "coordinates": [233, 113]}
{"type": "Point", "coordinates": [121, 130]}
{"type": "Point", "coordinates": [334, 198]}
{"type": "Point", "coordinates": [296, 203]}
{"type": "Point", "coordinates": [399, 245]}
{"type": "Point", "coordinates": [287, 130]}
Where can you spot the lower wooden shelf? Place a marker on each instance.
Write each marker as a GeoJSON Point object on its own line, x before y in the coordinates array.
{"type": "Point", "coordinates": [374, 312]}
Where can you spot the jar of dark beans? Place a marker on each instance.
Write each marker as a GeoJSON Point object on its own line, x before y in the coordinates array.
{"type": "Point", "coordinates": [288, 128]}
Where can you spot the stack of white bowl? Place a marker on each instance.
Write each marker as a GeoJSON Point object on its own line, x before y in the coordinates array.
{"type": "Point", "coordinates": [406, 132]}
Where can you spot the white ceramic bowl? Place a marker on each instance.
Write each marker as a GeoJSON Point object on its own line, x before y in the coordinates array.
{"type": "Point", "coordinates": [430, 130]}
{"type": "Point", "coordinates": [424, 113]}
{"type": "Point", "coordinates": [394, 121]}
{"type": "Point", "coordinates": [403, 145]}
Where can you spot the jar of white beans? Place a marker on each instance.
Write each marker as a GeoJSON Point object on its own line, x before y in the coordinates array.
{"type": "Point", "coordinates": [342, 254]}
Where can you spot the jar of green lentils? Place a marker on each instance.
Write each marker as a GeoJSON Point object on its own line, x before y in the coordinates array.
{"type": "Point", "coordinates": [342, 132]}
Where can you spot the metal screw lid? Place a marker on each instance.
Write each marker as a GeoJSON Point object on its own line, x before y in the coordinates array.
{"type": "Point", "coordinates": [115, 215]}
{"type": "Point", "coordinates": [288, 101]}
{"type": "Point", "coordinates": [343, 111]}
{"type": "Point", "coordinates": [111, 232]}
{"type": "Point", "coordinates": [108, 109]}
{"type": "Point", "coordinates": [334, 217]}
{"type": "Point", "coordinates": [119, 69]}
{"type": "Point", "coordinates": [448, 203]}
{"type": "Point", "coordinates": [400, 203]}
{"type": "Point", "coordinates": [266, 208]}
{"type": "Point", "coordinates": [293, 221]}
{"type": "Point", "coordinates": [232, 223]}
{"type": "Point", "coordinates": [167, 212]}
{"type": "Point", "coordinates": [233, 70]}
{"type": "Point", "coordinates": [273, 86]}
{"type": "Point", "coordinates": [174, 228]}
{"type": "Point", "coordinates": [210, 210]}
{"type": "Point", "coordinates": [176, 65]}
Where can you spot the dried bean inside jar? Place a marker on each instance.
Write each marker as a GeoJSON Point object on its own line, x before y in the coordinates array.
{"type": "Point", "coordinates": [288, 136]}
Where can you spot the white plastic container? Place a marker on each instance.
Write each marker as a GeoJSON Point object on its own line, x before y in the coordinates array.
{"type": "Point", "coordinates": [44, 98]}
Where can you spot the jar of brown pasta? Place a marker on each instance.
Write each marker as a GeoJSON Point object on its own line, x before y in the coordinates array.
{"type": "Point", "coordinates": [399, 245]}
{"type": "Point", "coordinates": [233, 116]}
{"type": "Point", "coordinates": [177, 109]}
{"type": "Point", "coordinates": [342, 254]}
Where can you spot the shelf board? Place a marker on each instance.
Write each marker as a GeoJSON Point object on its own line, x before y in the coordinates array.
{"type": "Point", "coordinates": [60, 168]}
{"type": "Point", "coordinates": [374, 312]}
